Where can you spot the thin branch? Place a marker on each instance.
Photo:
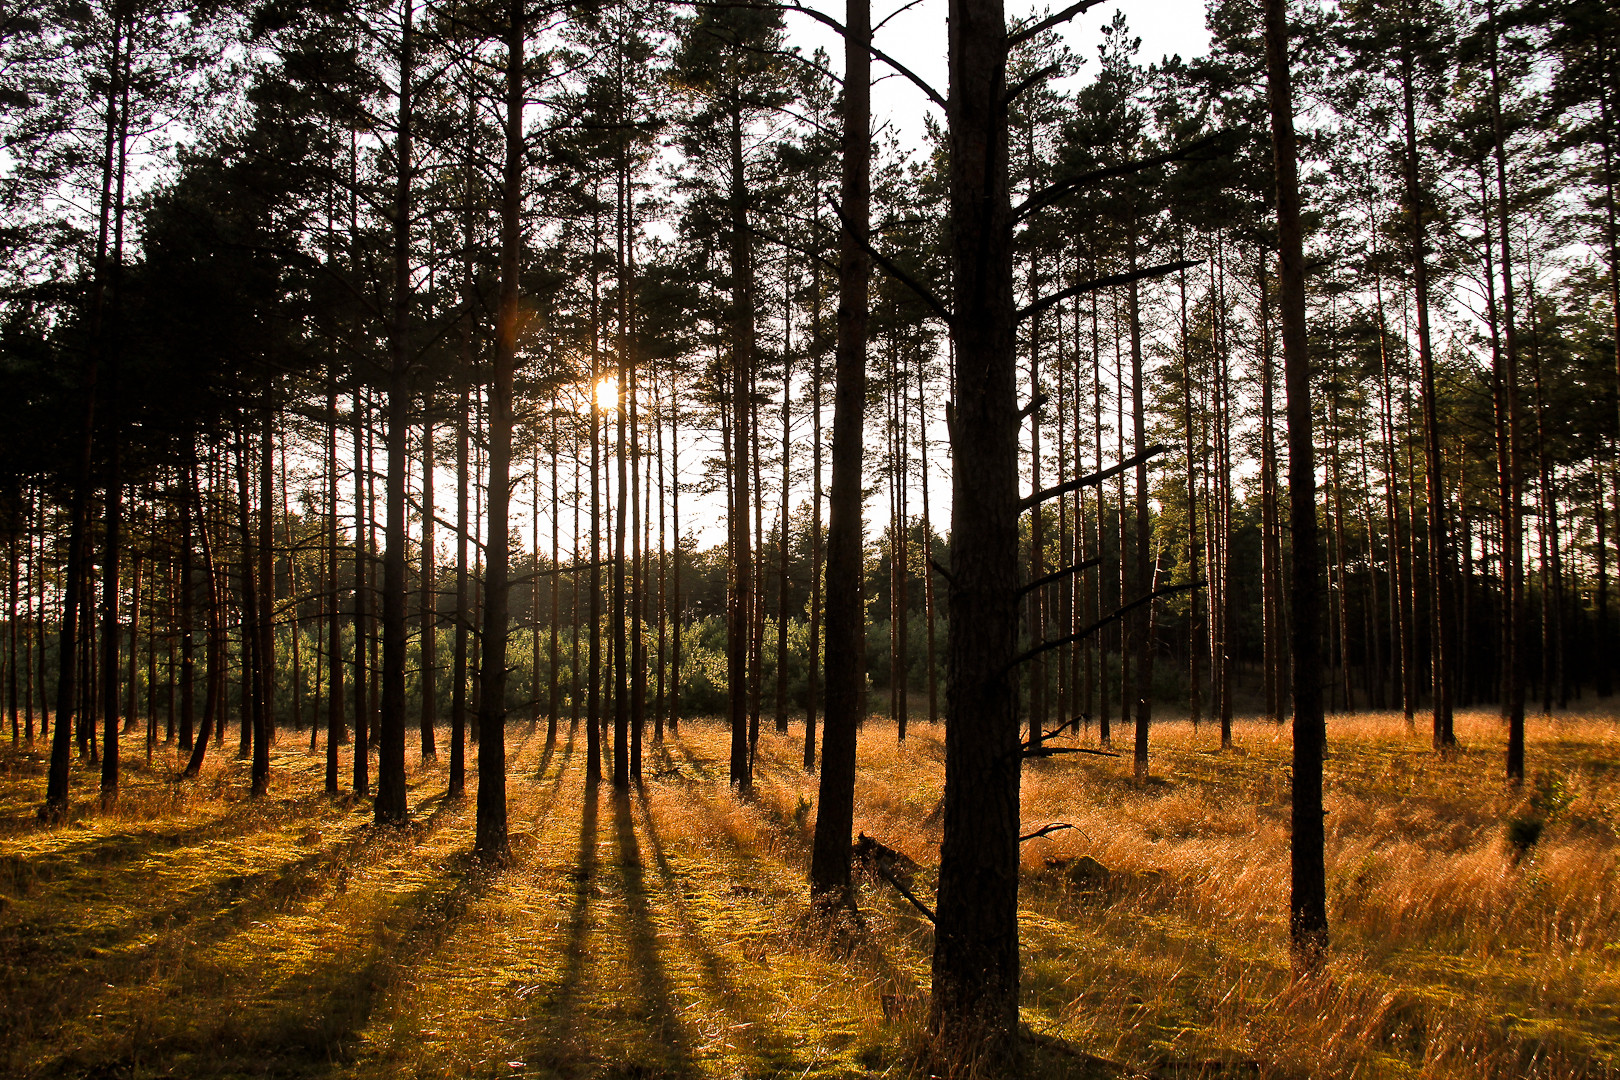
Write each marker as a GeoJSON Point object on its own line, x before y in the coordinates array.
{"type": "Point", "coordinates": [922, 291]}
{"type": "Point", "coordinates": [1045, 830]}
{"type": "Point", "coordinates": [1058, 189]}
{"type": "Point", "coordinates": [1106, 282]}
{"type": "Point", "coordinates": [903, 8]}
{"type": "Point", "coordinates": [1081, 635]}
{"type": "Point", "coordinates": [1018, 38]}
{"type": "Point", "coordinates": [1058, 575]}
{"type": "Point", "coordinates": [1024, 84]}
{"type": "Point", "coordinates": [791, 246]}
{"type": "Point", "coordinates": [1090, 479]}
{"type": "Point", "coordinates": [827, 20]}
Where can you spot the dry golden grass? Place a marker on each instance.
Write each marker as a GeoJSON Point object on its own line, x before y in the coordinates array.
{"type": "Point", "coordinates": [195, 932]}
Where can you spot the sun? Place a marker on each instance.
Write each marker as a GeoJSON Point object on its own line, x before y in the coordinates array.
{"type": "Point", "coordinates": [607, 393]}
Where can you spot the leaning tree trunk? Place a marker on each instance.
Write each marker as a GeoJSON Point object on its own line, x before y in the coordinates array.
{"type": "Point", "coordinates": [1307, 922]}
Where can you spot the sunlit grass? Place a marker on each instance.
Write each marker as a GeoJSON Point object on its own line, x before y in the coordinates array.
{"type": "Point", "coordinates": [193, 931]}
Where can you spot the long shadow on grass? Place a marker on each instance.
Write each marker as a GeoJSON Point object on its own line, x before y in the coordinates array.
{"type": "Point", "coordinates": [67, 972]}
{"type": "Point", "coordinates": [71, 855]}
{"type": "Point", "coordinates": [768, 1044]}
{"type": "Point", "coordinates": [564, 1000]}
{"type": "Point", "coordinates": [662, 1013]}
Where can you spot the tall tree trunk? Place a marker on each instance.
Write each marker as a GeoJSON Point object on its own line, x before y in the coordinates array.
{"type": "Point", "coordinates": [973, 1015]}
{"type": "Point", "coordinates": [335, 733]}
{"type": "Point", "coordinates": [1143, 616]}
{"type": "Point", "coordinates": [429, 619]}
{"type": "Point", "coordinates": [835, 809]}
{"type": "Point", "coordinates": [490, 842]}
{"type": "Point", "coordinates": [112, 162]}
{"type": "Point", "coordinates": [782, 533]}
{"type": "Point", "coordinates": [1441, 646]}
{"type": "Point", "coordinates": [253, 658]}
{"type": "Point", "coordinates": [362, 733]}
{"type": "Point", "coordinates": [463, 626]}
{"type": "Point", "coordinates": [390, 807]}
{"type": "Point", "coordinates": [188, 656]}
{"type": "Point", "coordinates": [1512, 497]}
{"type": "Point", "coordinates": [214, 672]}
{"type": "Point", "coordinates": [742, 367]}
{"type": "Point", "coordinates": [266, 577]}
{"type": "Point", "coordinates": [1307, 924]}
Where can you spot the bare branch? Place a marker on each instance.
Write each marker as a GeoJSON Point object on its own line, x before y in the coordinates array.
{"type": "Point", "coordinates": [925, 294]}
{"type": "Point", "coordinates": [1058, 189]}
{"type": "Point", "coordinates": [1024, 84]}
{"type": "Point", "coordinates": [1081, 635]}
{"type": "Point", "coordinates": [1106, 282]}
{"type": "Point", "coordinates": [1091, 479]}
{"type": "Point", "coordinates": [1019, 37]}
{"type": "Point", "coordinates": [827, 20]}
{"type": "Point", "coordinates": [1058, 575]}
{"type": "Point", "coordinates": [1034, 403]}
{"type": "Point", "coordinates": [905, 892]}
{"type": "Point", "coordinates": [1045, 830]}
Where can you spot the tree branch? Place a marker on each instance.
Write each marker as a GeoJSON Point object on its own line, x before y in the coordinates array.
{"type": "Point", "coordinates": [925, 294]}
{"type": "Point", "coordinates": [1058, 575]}
{"type": "Point", "coordinates": [1090, 479]}
{"type": "Point", "coordinates": [1024, 84]}
{"type": "Point", "coordinates": [905, 892]}
{"type": "Point", "coordinates": [1056, 190]}
{"type": "Point", "coordinates": [1019, 37]}
{"type": "Point", "coordinates": [1081, 635]}
{"type": "Point", "coordinates": [1107, 282]}
{"type": "Point", "coordinates": [1045, 830]}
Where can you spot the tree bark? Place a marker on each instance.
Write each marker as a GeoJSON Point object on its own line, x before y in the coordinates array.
{"type": "Point", "coordinates": [1307, 924]}
{"type": "Point", "coordinates": [835, 811]}
{"type": "Point", "coordinates": [973, 1015]}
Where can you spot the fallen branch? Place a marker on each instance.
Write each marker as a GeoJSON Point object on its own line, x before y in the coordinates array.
{"type": "Point", "coordinates": [905, 892]}
{"type": "Point", "coordinates": [1048, 751]}
{"type": "Point", "coordinates": [1045, 830]}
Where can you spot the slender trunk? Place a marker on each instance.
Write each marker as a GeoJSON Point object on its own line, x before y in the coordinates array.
{"type": "Point", "coordinates": [253, 659]}
{"type": "Point", "coordinates": [214, 672]}
{"type": "Point", "coordinates": [1512, 522]}
{"type": "Point", "coordinates": [1441, 657]}
{"type": "Point", "coordinates": [1143, 616]}
{"type": "Point", "coordinates": [390, 807]}
{"type": "Point", "coordinates": [830, 882]}
{"type": "Point", "coordinates": [1308, 930]}
{"type": "Point", "coordinates": [491, 840]}
{"type": "Point", "coordinates": [362, 742]}
{"type": "Point", "coordinates": [742, 365]}
{"type": "Point", "coordinates": [429, 620]}
{"type": "Point", "coordinates": [458, 686]}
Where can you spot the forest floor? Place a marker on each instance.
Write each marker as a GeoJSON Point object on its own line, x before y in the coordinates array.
{"type": "Point", "coordinates": [196, 932]}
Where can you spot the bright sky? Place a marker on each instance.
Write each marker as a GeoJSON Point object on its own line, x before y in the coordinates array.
{"type": "Point", "coordinates": [916, 38]}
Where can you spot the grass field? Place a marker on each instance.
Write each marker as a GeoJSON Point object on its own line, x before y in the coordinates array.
{"type": "Point", "coordinates": [195, 932]}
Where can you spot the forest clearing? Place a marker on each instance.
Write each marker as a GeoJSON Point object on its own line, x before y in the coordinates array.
{"type": "Point", "coordinates": [501, 452]}
{"type": "Point", "coordinates": [666, 931]}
